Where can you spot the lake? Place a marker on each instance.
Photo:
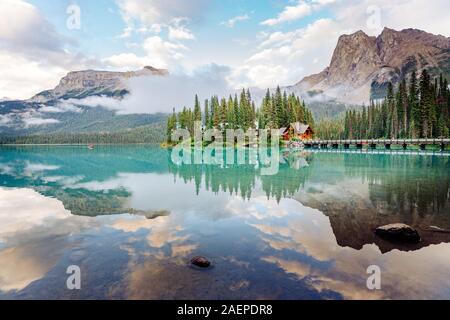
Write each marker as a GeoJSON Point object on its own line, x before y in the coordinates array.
{"type": "Point", "coordinates": [131, 219]}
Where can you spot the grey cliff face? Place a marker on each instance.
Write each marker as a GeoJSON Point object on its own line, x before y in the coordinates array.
{"type": "Point", "coordinates": [362, 65]}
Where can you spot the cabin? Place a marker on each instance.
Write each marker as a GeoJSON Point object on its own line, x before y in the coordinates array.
{"type": "Point", "coordinates": [297, 130]}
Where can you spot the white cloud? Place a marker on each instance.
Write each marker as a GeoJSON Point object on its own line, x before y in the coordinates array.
{"type": "Point", "coordinates": [161, 50]}
{"type": "Point", "coordinates": [33, 118]}
{"type": "Point", "coordinates": [33, 121]}
{"type": "Point", "coordinates": [153, 15]}
{"type": "Point", "coordinates": [290, 13]}
{"type": "Point", "coordinates": [284, 58]}
{"type": "Point", "coordinates": [21, 78]}
{"type": "Point", "coordinates": [50, 109]}
{"type": "Point", "coordinates": [158, 53]}
{"type": "Point", "coordinates": [23, 28]}
{"type": "Point", "coordinates": [259, 75]}
{"type": "Point", "coordinates": [163, 53]}
{"type": "Point", "coordinates": [277, 38]}
{"type": "Point", "coordinates": [126, 33]}
{"type": "Point", "coordinates": [355, 14]}
{"type": "Point", "coordinates": [5, 119]}
{"type": "Point", "coordinates": [231, 22]}
{"type": "Point", "coordinates": [162, 94]}
{"type": "Point", "coordinates": [179, 31]}
{"type": "Point", "coordinates": [149, 12]}
{"type": "Point", "coordinates": [33, 55]}
{"type": "Point", "coordinates": [155, 28]}
{"type": "Point", "coordinates": [61, 107]}
{"type": "Point", "coordinates": [97, 101]}
{"type": "Point", "coordinates": [126, 61]}
{"type": "Point", "coordinates": [302, 9]}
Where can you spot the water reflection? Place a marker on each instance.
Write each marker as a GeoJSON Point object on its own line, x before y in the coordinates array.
{"type": "Point", "coordinates": [31, 230]}
{"type": "Point", "coordinates": [132, 219]}
{"type": "Point", "coordinates": [242, 179]}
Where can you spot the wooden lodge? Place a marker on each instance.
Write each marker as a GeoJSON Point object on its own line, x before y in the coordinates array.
{"type": "Point", "coordinates": [297, 130]}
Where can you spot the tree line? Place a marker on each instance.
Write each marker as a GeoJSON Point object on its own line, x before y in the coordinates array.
{"type": "Point", "coordinates": [240, 112]}
{"type": "Point", "coordinates": [153, 133]}
{"type": "Point", "coordinates": [418, 108]}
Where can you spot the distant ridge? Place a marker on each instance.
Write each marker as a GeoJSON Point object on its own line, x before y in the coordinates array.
{"type": "Point", "coordinates": [80, 84]}
{"type": "Point", "coordinates": [47, 114]}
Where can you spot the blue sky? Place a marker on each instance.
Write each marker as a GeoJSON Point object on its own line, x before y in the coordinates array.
{"type": "Point", "coordinates": [259, 43]}
{"type": "Point", "coordinates": [102, 23]}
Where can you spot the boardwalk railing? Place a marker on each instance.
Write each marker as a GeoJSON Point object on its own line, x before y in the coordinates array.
{"type": "Point", "coordinates": [373, 143]}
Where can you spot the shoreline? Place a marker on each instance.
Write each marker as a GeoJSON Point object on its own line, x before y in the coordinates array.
{"type": "Point", "coordinates": [76, 144]}
{"type": "Point", "coordinates": [415, 150]}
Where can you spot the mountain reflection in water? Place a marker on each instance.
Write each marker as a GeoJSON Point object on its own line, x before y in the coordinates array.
{"type": "Point", "coordinates": [132, 219]}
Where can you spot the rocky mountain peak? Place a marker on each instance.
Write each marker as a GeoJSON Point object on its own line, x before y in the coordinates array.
{"type": "Point", "coordinates": [79, 84]}
{"type": "Point", "coordinates": [355, 56]}
{"type": "Point", "coordinates": [362, 65]}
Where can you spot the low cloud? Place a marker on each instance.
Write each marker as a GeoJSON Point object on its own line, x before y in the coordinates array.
{"type": "Point", "coordinates": [5, 120]}
{"type": "Point", "coordinates": [32, 118]}
{"type": "Point", "coordinates": [40, 116]}
{"type": "Point", "coordinates": [162, 94]}
{"type": "Point", "coordinates": [32, 122]}
{"type": "Point", "coordinates": [62, 107]}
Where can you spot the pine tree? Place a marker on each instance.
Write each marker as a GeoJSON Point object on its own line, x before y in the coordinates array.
{"type": "Point", "coordinates": [265, 117]}
{"type": "Point", "coordinates": [230, 113]}
{"type": "Point", "coordinates": [207, 115]}
{"type": "Point", "coordinates": [414, 106]}
{"type": "Point", "coordinates": [402, 106]}
{"type": "Point", "coordinates": [197, 110]}
{"type": "Point", "coordinates": [216, 111]}
{"type": "Point", "coordinates": [243, 111]}
{"type": "Point", "coordinates": [278, 104]}
{"type": "Point", "coordinates": [285, 111]}
{"type": "Point", "coordinates": [237, 119]}
{"type": "Point", "coordinates": [384, 124]}
{"type": "Point", "coordinates": [426, 105]}
{"type": "Point", "coordinates": [253, 115]}
{"type": "Point", "coordinates": [171, 125]}
{"type": "Point", "coordinates": [223, 113]}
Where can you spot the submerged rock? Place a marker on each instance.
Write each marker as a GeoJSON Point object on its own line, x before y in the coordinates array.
{"type": "Point", "coordinates": [200, 262]}
{"type": "Point", "coordinates": [398, 232]}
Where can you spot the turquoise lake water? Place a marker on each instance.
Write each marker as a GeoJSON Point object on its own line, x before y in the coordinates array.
{"type": "Point", "coordinates": [132, 219]}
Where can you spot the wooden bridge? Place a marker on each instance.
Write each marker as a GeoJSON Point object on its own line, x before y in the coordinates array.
{"type": "Point", "coordinates": [374, 143]}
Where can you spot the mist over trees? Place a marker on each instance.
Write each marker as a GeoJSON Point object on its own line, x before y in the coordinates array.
{"type": "Point", "coordinates": [418, 107]}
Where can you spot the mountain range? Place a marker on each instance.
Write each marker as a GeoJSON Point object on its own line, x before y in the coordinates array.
{"type": "Point", "coordinates": [360, 69]}
{"type": "Point", "coordinates": [58, 111]}
{"type": "Point", "coordinates": [81, 84]}
{"type": "Point", "coordinates": [362, 66]}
